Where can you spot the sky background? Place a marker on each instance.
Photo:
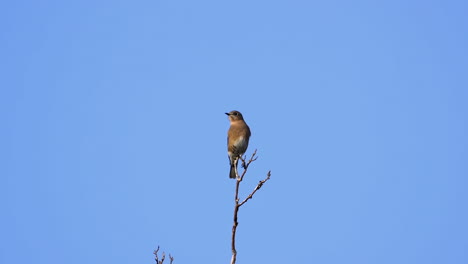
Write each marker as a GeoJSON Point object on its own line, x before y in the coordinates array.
{"type": "Point", "coordinates": [113, 132]}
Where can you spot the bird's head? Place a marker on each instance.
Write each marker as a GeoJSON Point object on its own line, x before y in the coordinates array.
{"type": "Point", "coordinates": [234, 115]}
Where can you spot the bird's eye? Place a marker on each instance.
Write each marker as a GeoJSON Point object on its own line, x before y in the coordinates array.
{"type": "Point", "coordinates": [235, 113]}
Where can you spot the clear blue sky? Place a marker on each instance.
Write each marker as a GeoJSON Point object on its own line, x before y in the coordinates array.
{"type": "Point", "coordinates": [113, 131]}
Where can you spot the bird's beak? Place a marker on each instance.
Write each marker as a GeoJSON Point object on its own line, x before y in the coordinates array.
{"type": "Point", "coordinates": [227, 113]}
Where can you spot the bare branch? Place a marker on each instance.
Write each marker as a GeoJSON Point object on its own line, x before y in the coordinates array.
{"type": "Point", "coordinates": [246, 165]}
{"type": "Point", "coordinates": [163, 257]}
{"type": "Point", "coordinates": [237, 205]}
{"type": "Point", "coordinates": [259, 185]}
{"type": "Point", "coordinates": [253, 158]}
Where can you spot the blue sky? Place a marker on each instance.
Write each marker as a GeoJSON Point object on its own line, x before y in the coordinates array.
{"type": "Point", "coordinates": [113, 130]}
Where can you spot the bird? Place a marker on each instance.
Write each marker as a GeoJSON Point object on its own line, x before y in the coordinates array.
{"type": "Point", "coordinates": [237, 141]}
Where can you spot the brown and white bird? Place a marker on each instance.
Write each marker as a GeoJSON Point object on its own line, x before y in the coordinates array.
{"type": "Point", "coordinates": [237, 141]}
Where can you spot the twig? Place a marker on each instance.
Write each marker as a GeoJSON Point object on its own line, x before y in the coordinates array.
{"type": "Point", "coordinates": [163, 257]}
{"type": "Point", "coordinates": [259, 185]}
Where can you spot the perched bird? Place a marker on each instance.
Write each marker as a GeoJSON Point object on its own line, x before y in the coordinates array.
{"type": "Point", "coordinates": [237, 141]}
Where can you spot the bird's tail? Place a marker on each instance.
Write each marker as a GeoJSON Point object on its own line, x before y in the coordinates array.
{"type": "Point", "coordinates": [232, 173]}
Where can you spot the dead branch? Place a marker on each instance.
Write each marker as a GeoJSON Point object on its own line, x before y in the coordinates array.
{"type": "Point", "coordinates": [163, 257]}
{"type": "Point", "coordinates": [259, 185]}
{"type": "Point", "coordinates": [237, 205]}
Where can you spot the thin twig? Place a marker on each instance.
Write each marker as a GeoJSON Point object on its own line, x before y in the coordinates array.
{"type": "Point", "coordinates": [163, 257]}
{"type": "Point", "coordinates": [259, 185]}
